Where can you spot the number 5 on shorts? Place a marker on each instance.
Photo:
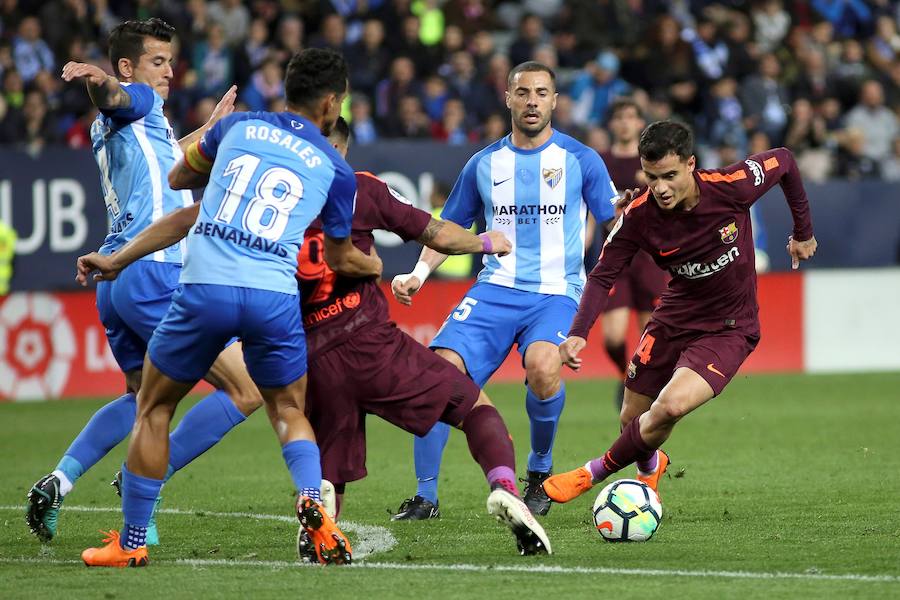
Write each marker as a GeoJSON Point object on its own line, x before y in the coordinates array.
{"type": "Point", "coordinates": [464, 309]}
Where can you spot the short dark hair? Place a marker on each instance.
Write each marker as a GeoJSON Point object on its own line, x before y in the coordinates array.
{"type": "Point", "coordinates": [666, 137]}
{"type": "Point", "coordinates": [313, 73]}
{"type": "Point", "coordinates": [531, 66]}
{"type": "Point", "coordinates": [126, 40]}
{"type": "Point", "coordinates": [340, 133]}
{"type": "Point", "coordinates": [622, 103]}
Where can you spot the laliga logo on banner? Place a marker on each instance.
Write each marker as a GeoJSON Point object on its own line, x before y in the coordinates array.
{"type": "Point", "coordinates": [37, 346]}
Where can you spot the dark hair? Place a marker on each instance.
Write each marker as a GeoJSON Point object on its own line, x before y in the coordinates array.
{"type": "Point", "coordinates": [622, 103]}
{"type": "Point", "coordinates": [531, 66]}
{"type": "Point", "coordinates": [340, 133]}
{"type": "Point", "coordinates": [666, 137]}
{"type": "Point", "coordinates": [127, 39]}
{"type": "Point", "coordinates": [313, 73]}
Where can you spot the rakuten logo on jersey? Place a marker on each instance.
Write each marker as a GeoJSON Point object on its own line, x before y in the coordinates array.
{"type": "Point", "coordinates": [759, 175]}
{"type": "Point", "coordinates": [698, 270]}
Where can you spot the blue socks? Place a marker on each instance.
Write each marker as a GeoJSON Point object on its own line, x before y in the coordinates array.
{"type": "Point", "coordinates": [302, 459]}
{"type": "Point", "coordinates": [138, 498]}
{"type": "Point", "coordinates": [201, 428]}
{"type": "Point", "coordinates": [109, 426]}
{"type": "Point", "coordinates": [427, 452]}
{"type": "Point", "coordinates": [544, 417]}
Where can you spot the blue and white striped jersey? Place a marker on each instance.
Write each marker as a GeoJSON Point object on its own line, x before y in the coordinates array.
{"type": "Point", "coordinates": [272, 174]}
{"type": "Point", "coordinates": [539, 198]}
{"type": "Point", "coordinates": [135, 149]}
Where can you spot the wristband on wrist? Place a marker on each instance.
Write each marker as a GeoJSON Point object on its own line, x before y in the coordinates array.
{"type": "Point", "coordinates": [486, 246]}
{"type": "Point", "coordinates": [421, 271]}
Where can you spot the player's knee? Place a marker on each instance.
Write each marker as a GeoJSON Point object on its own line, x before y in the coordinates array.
{"type": "Point", "coordinates": [668, 409]}
{"type": "Point", "coordinates": [543, 379]}
{"type": "Point", "coordinates": [247, 399]}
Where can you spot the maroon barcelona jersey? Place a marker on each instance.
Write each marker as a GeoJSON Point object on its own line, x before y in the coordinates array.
{"type": "Point", "coordinates": [708, 250]}
{"type": "Point", "coordinates": [335, 307]}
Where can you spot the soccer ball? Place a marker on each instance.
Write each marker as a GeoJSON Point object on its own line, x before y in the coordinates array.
{"type": "Point", "coordinates": [627, 510]}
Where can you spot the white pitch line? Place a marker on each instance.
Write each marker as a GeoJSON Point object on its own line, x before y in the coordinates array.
{"type": "Point", "coordinates": [543, 569]}
{"type": "Point", "coordinates": [370, 538]}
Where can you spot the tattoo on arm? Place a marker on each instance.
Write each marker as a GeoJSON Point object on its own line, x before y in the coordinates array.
{"type": "Point", "coordinates": [434, 226]}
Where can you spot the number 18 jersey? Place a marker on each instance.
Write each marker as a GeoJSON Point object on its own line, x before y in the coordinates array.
{"type": "Point", "coordinates": [272, 174]}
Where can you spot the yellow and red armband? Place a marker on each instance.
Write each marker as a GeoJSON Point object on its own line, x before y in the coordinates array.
{"type": "Point", "coordinates": [196, 160]}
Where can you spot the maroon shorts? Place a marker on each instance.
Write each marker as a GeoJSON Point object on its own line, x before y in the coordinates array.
{"type": "Point", "coordinates": [714, 355]}
{"type": "Point", "coordinates": [384, 372]}
{"type": "Point", "coordinates": [639, 286]}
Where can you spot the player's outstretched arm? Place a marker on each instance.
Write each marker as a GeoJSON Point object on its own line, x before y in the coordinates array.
{"type": "Point", "coordinates": [223, 108]}
{"type": "Point", "coordinates": [449, 238]}
{"type": "Point", "coordinates": [346, 259]}
{"type": "Point", "coordinates": [182, 177]}
{"type": "Point", "coordinates": [163, 233]}
{"type": "Point", "coordinates": [105, 91]}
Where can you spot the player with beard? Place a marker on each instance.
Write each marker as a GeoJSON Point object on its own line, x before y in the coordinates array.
{"type": "Point", "coordinates": [696, 224]}
{"type": "Point", "coordinates": [536, 186]}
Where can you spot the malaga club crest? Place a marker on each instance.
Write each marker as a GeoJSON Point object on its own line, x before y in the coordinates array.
{"type": "Point", "coordinates": [552, 176]}
{"type": "Point", "coordinates": [729, 233]}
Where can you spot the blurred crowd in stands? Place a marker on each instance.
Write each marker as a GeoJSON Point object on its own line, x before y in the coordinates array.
{"type": "Point", "coordinates": [821, 77]}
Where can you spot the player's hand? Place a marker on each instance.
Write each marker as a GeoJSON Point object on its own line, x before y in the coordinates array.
{"type": "Point", "coordinates": [404, 287]}
{"type": "Point", "coordinates": [569, 351]}
{"type": "Point", "coordinates": [624, 199]}
{"type": "Point", "coordinates": [92, 73]}
{"type": "Point", "coordinates": [500, 245]}
{"type": "Point", "coordinates": [225, 106]}
{"type": "Point", "coordinates": [102, 266]}
{"type": "Point", "coordinates": [801, 250]}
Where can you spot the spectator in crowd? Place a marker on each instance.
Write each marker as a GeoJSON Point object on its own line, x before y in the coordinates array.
{"type": "Point", "coordinates": [807, 136]}
{"type": "Point", "coordinates": [471, 16]}
{"type": "Point", "coordinates": [289, 39]}
{"type": "Point", "coordinates": [410, 120]}
{"type": "Point", "coordinates": [213, 63]}
{"type": "Point", "coordinates": [724, 117]}
{"type": "Point", "coordinates": [891, 167]}
{"type": "Point", "coordinates": [664, 40]}
{"type": "Point", "coordinates": [331, 35]}
{"type": "Point", "coordinates": [564, 120]}
{"type": "Point", "coordinates": [31, 53]}
{"type": "Point", "coordinates": [452, 128]}
{"type": "Point", "coordinates": [266, 85]}
{"type": "Point", "coordinates": [883, 48]}
{"type": "Point", "coordinates": [771, 22]}
{"type": "Point", "coordinates": [362, 125]}
{"type": "Point", "coordinates": [848, 17]}
{"type": "Point", "coordinates": [464, 83]}
{"type": "Point", "coordinates": [876, 123]}
{"type": "Point", "coordinates": [852, 163]}
{"type": "Point", "coordinates": [531, 35]}
{"type": "Point", "coordinates": [368, 58]}
{"type": "Point", "coordinates": [765, 100]}
{"type": "Point", "coordinates": [710, 53]}
{"type": "Point", "coordinates": [251, 52]}
{"type": "Point", "coordinates": [434, 96]}
{"type": "Point", "coordinates": [400, 82]}
{"type": "Point", "coordinates": [494, 127]}
{"type": "Point", "coordinates": [594, 90]}
{"type": "Point", "coordinates": [850, 72]}
{"type": "Point", "coordinates": [743, 52]}
{"type": "Point", "coordinates": [814, 82]}
{"type": "Point", "coordinates": [234, 18]}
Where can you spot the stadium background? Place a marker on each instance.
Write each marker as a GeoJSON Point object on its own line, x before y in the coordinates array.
{"type": "Point", "coordinates": [822, 78]}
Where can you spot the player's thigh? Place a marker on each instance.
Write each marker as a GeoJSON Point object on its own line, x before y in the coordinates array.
{"type": "Point", "coordinates": [615, 326]}
{"type": "Point", "coordinates": [229, 374]}
{"type": "Point", "coordinates": [406, 384]}
{"type": "Point", "coordinates": [717, 356]}
{"type": "Point", "coordinates": [453, 358]}
{"type": "Point", "coordinates": [653, 362]}
{"type": "Point", "coordinates": [336, 418]}
{"type": "Point", "coordinates": [200, 322]}
{"type": "Point", "coordinates": [481, 329]}
{"type": "Point", "coordinates": [127, 346]}
{"type": "Point", "coordinates": [547, 318]}
{"type": "Point", "coordinates": [142, 294]}
{"type": "Point", "coordinates": [274, 342]}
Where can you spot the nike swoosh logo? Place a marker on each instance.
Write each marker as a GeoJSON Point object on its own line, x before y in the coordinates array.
{"type": "Point", "coordinates": [496, 183]}
{"type": "Point", "coordinates": [669, 252]}
{"type": "Point", "coordinates": [561, 336]}
{"type": "Point", "coordinates": [712, 368]}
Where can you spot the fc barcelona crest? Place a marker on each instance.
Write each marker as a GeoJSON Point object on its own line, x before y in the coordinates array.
{"type": "Point", "coordinates": [552, 176]}
{"type": "Point", "coordinates": [729, 233]}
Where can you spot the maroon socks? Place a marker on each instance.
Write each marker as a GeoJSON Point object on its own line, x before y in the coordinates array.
{"type": "Point", "coordinates": [491, 446]}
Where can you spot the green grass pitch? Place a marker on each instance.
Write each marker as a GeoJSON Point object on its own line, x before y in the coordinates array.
{"type": "Point", "coordinates": [788, 488]}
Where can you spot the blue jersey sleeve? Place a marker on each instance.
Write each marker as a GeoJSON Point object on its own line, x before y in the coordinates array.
{"type": "Point", "coordinates": [142, 98]}
{"type": "Point", "coordinates": [597, 188]}
{"type": "Point", "coordinates": [464, 202]}
{"type": "Point", "coordinates": [337, 214]}
{"type": "Point", "coordinates": [209, 143]}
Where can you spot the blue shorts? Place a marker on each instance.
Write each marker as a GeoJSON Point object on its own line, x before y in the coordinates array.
{"type": "Point", "coordinates": [486, 323]}
{"type": "Point", "coordinates": [204, 318]}
{"type": "Point", "coordinates": [132, 305]}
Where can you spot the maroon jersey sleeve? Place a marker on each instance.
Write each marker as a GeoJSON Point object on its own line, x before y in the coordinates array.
{"type": "Point", "coordinates": [620, 247]}
{"type": "Point", "coordinates": [758, 174]}
{"type": "Point", "coordinates": [390, 210]}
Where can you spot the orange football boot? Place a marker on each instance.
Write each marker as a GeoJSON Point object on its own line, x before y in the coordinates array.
{"type": "Point", "coordinates": [568, 486]}
{"type": "Point", "coordinates": [652, 480]}
{"type": "Point", "coordinates": [330, 543]}
{"type": "Point", "coordinates": [113, 555]}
